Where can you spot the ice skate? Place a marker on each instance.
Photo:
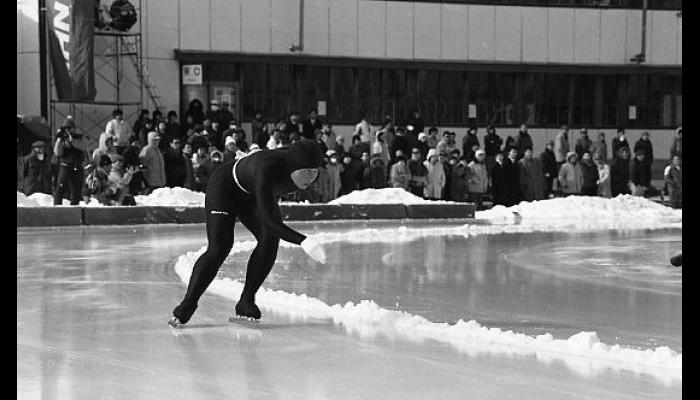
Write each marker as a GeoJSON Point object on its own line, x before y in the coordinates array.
{"type": "Point", "coordinates": [174, 322]}
{"type": "Point", "coordinates": [247, 313]}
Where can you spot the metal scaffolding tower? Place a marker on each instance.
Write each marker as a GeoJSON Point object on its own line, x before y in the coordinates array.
{"type": "Point", "coordinates": [118, 85]}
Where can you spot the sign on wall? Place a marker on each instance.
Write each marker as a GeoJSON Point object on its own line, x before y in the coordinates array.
{"type": "Point", "coordinates": [321, 108]}
{"type": "Point", "coordinates": [472, 111]}
{"type": "Point", "coordinates": [633, 112]}
{"type": "Point", "coordinates": [192, 74]}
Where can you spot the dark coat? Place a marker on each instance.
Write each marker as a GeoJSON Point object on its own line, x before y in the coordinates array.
{"type": "Point", "coordinates": [492, 144]}
{"type": "Point", "coordinates": [468, 141]}
{"type": "Point", "coordinates": [583, 144]}
{"type": "Point", "coordinates": [639, 174]}
{"type": "Point", "coordinates": [175, 168]}
{"type": "Point", "coordinates": [512, 182]}
{"type": "Point", "coordinates": [645, 147]}
{"type": "Point", "coordinates": [418, 176]}
{"type": "Point", "coordinates": [619, 176]}
{"type": "Point", "coordinates": [549, 164]}
{"type": "Point", "coordinates": [617, 145]}
{"type": "Point", "coordinates": [523, 142]}
{"type": "Point", "coordinates": [531, 179]}
{"type": "Point", "coordinates": [311, 127]}
{"type": "Point", "coordinates": [590, 175]}
{"type": "Point", "coordinates": [375, 175]}
{"type": "Point", "coordinates": [459, 182]}
{"type": "Point", "coordinates": [498, 183]}
{"type": "Point", "coordinates": [36, 175]}
{"type": "Point", "coordinates": [400, 143]}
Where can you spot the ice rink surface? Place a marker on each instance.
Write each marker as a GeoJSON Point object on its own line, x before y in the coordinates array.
{"type": "Point", "coordinates": [92, 305]}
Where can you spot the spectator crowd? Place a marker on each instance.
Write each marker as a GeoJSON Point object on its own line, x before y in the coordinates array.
{"type": "Point", "coordinates": [157, 151]}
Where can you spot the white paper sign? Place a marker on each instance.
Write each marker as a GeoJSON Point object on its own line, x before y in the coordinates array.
{"type": "Point", "coordinates": [321, 108]}
{"type": "Point", "coordinates": [633, 112]}
{"type": "Point", "coordinates": [192, 74]}
{"type": "Point", "coordinates": [472, 111]}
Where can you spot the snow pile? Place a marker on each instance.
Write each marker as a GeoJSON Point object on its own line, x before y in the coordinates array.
{"type": "Point", "coordinates": [382, 196]}
{"type": "Point", "coordinates": [176, 196]}
{"type": "Point", "coordinates": [46, 200]}
{"type": "Point", "coordinates": [583, 352]}
{"type": "Point", "coordinates": [583, 213]}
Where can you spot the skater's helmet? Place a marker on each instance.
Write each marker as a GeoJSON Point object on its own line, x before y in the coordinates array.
{"type": "Point", "coordinates": [303, 159]}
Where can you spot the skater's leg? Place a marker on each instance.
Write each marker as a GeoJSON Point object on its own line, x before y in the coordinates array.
{"type": "Point", "coordinates": [261, 260]}
{"type": "Point", "coordinates": [220, 237]}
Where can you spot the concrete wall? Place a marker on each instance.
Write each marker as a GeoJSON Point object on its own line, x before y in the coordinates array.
{"type": "Point", "coordinates": [28, 85]}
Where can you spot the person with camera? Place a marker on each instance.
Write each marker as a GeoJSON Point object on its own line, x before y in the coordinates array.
{"type": "Point", "coordinates": [70, 149]}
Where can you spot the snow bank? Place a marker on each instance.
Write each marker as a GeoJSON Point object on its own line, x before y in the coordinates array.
{"type": "Point", "coordinates": [582, 213]}
{"type": "Point", "coordinates": [46, 200]}
{"type": "Point", "coordinates": [382, 196]}
{"type": "Point", "coordinates": [582, 352]}
{"type": "Point", "coordinates": [176, 196]}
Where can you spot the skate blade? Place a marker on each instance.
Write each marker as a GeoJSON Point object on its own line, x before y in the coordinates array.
{"type": "Point", "coordinates": [175, 323]}
{"type": "Point", "coordinates": [246, 321]}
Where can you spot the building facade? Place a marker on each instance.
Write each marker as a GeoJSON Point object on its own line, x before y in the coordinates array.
{"type": "Point", "coordinates": [502, 62]}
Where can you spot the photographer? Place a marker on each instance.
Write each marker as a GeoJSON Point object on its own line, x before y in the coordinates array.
{"type": "Point", "coordinates": [69, 149]}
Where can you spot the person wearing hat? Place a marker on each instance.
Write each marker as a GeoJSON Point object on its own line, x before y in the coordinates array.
{"type": "Point", "coordinates": [105, 147]}
{"type": "Point", "coordinates": [70, 150]}
{"type": "Point", "coordinates": [640, 175]}
{"type": "Point", "coordinates": [222, 115]}
{"type": "Point", "coordinates": [468, 142]}
{"type": "Point", "coordinates": [229, 149]}
{"type": "Point", "coordinates": [571, 175]}
{"type": "Point", "coordinates": [478, 180]}
{"type": "Point", "coordinates": [175, 164]}
{"type": "Point", "coordinates": [531, 177]}
{"type": "Point", "coordinates": [152, 159]}
{"type": "Point", "coordinates": [599, 149]}
{"type": "Point", "coordinates": [36, 170]}
{"type": "Point", "coordinates": [334, 170]}
{"type": "Point", "coordinates": [379, 148]}
{"type": "Point", "coordinates": [249, 190]}
{"type": "Point", "coordinates": [550, 169]}
{"type": "Point", "coordinates": [435, 179]}
{"type": "Point", "coordinates": [400, 175]}
{"type": "Point", "coordinates": [97, 182]}
{"type": "Point", "coordinates": [644, 145]}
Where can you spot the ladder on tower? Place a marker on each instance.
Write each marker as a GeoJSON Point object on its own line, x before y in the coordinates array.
{"type": "Point", "coordinates": [129, 46]}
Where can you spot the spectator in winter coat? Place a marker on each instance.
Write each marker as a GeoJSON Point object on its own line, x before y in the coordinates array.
{"type": "Point", "coordinates": [583, 143]}
{"type": "Point", "coordinates": [400, 142]}
{"type": "Point", "coordinates": [141, 120]}
{"type": "Point", "coordinates": [460, 180]}
{"type": "Point", "coordinates": [447, 144]}
{"type": "Point", "coordinates": [216, 160]}
{"type": "Point", "coordinates": [620, 173]}
{"type": "Point", "coordinates": [230, 150]}
{"type": "Point", "coordinates": [418, 173]}
{"type": "Point", "coordinates": [119, 179]}
{"type": "Point", "coordinates": [620, 141]}
{"type": "Point", "coordinates": [674, 182]}
{"type": "Point", "coordinates": [571, 175]}
{"type": "Point", "coordinates": [172, 126]}
{"type": "Point", "coordinates": [512, 178]}
{"type": "Point", "coordinates": [644, 146]}
{"type": "Point", "coordinates": [311, 124]}
{"type": "Point", "coordinates": [677, 145]}
{"type": "Point", "coordinates": [175, 165]}
{"type": "Point", "coordinates": [589, 187]}
{"type": "Point", "coordinates": [362, 170]}
{"type": "Point", "coordinates": [375, 175]}
{"type": "Point", "coordinates": [104, 147]}
{"type": "Point", "coordinates": [549, 168]}
{"type": "Point", "coordinates": [435, 179]}
{"type": "Point", "coordinates": [36, 170]}
{"type": "Point", "coordinates": [380, 149]}
{"type": "Point", "coordinates": [340, 147]}
{"type": "Point", "coordinates": [492, 145]}
{"type": "Point", "coordinates": [639, 175]}
{"type": "Point", "coordinates": [478, 182]}
{"type": "Point", "coordinates": [196, 111]}
{"type": "Point", "coordinates": [348, 176]}
{"type": "Point", "coordinates": [432, 139]}
{"type": "Point", "coordinates": [400, 176]}
{"type": "Point", "coordinates": [468, 142]}
{"type": "Point", "coordinates": [334, 170]}
{"type": "Point", "coordinates": [119, 130]}
{"type": "Point", "coordinates": [363, 129]}
{"type": "Point", "coordinates": [188, 153]}
{"type": "Point", "coordinates": [416, 121]}
{"type": "Point", "coordinates": [599, 149]}
{"type": "Point", "coordinates": [523, 141]}
{"type": "Point", "coordinates": [202, 169]}
{"type": "Point", "coordinates": [603, 178]}
{"type": "Point", "coordinates": [561, 146]}
{"type": "Point", "coordinates": [498, 181]}
{"type": "Point", "coordinates": [531, 177]}
{"type": "Point", "coordinates": [422, 145]}
{"type": "Point", "coordinates": [97, 182]}
{"type": "Point", "coordinates": [329, 136]}
{"type": "Point", "coordinates": [152, 159]}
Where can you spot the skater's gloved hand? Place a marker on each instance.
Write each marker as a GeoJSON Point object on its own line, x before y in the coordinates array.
{"type": "Point", "coordinates": [314, 249]}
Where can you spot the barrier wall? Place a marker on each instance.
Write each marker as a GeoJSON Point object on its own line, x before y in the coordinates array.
{"type": "Point", "coordinates": [63, 216]}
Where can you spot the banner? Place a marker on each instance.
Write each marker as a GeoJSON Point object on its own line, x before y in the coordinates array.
{"type": "Point", "coordinates": [71, 44]}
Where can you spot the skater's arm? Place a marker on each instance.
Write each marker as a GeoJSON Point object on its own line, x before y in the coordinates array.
{"type": "Point", "coordinates": [267, 208]}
